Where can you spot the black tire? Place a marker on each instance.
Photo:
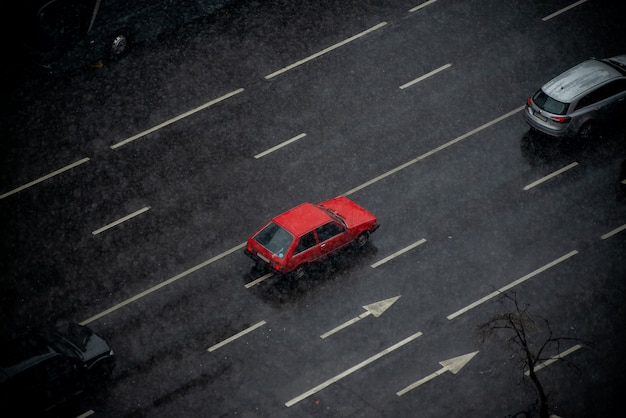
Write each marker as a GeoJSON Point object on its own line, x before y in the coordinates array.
{"type": "Point", "coordinates": [362, 240]}
{"type": "Point", "coordinates": [118, 45]}
{"type": "Point", "coordinates": [299, 272]}
{"type": "Point", "coordinates": [587, 132]}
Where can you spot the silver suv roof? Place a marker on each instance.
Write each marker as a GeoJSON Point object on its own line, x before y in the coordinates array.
{"type": "Point", "coordinates": [579, 79]}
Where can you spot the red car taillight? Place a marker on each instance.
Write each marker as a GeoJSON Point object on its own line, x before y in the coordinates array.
{"type": "Point", "coordinates": [529, 102]}
{"type": "Point", "coordinates": [560, 119]}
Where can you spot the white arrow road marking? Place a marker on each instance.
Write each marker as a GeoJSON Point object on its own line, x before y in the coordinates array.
{"type": "Point", "coordinates": [375, 309]}
{"type": "Point", "coordinates": [451, 365]}
{"type": "Point", "coordinates": [352, 370]}
{"type": "Point", "coordinates": [239, 334]}
{"type": "Point", "coordinates": [555, 358]}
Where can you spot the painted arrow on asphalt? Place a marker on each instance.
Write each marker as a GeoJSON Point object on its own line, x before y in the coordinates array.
{"type": "Point", "coordinates": [375, 309]}
{"type": "Point", "coordinates": [451, 365]}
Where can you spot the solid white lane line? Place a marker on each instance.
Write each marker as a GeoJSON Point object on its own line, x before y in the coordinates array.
{"type": "Point", "coordinates": [563, 10]}
{"type": "Point", "coordinates": [324, 51]}
{"type": "Point", "coordinates": [512, 284]}
{"type": "Point", "coordinates": [163, 284]}
{"type": "Point", "coordinates": [282, 144]}
{"type": "Point", "coordinates": [119, 221]}
{"type": "Point", "coordinates": [352, 370]}
{"type": "Point", "coordinates": [434, 151]}
{"type": "Point", "coordinates": [259, 280]}
{"type": "Point", "coordinates": [425, 76]}
{"type": "Point", "coordinates": [46, 177]}
{"type": "Point", "coordinates": [613, 232]}
{"type": "Point", "coordinates": [554, 358]}
{"type": "Point", "coordinates": [238, 335]}
{"type": "Point", "coordinates": [416, 8]}
{"type": "Point", "coordinates": [549, 176]}
{"type": "Point", "coordinates": [398, 253]}
{"type": "Point", "coordinates": [176, 119]}
{"type": "Point", "coordinates": [86, 414]}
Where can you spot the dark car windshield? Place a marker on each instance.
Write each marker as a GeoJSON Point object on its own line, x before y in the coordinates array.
{"type": "Point", "coordinates": [548, 104]}
{"type": "Point", "coordinates": [275, 239]}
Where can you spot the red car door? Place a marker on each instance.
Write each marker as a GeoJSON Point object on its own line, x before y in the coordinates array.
{"type": "Point", "coordinates": [331, 237]}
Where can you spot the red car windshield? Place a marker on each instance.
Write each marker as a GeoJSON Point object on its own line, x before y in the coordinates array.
{"type": "Point", "coordinates": [275, 239]}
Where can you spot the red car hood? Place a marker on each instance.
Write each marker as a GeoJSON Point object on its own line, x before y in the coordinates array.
{"type": "Point", "coordinates": [350, 211]}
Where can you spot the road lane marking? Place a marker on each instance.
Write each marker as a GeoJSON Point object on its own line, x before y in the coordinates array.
{"type": "Point", "coordinates": [352, 370]}
{"type": "Point", "coordinates": [163, 284]}
{"type": "Point", "coordinates": [86, 414]}
{"type": "Point", "coordinates": [513, 284]}
{"type": "Point", "coordinates": [416, 8]}
{"type": "Point", "coordinates": [563, 10]}
{"type": "Point", "coordinates": [282, 144]}
{"type": "Point", "coordinates": [176, 119]}
{"type": "Point", "coordinates": [324, 51]}
{"type": "Point", "coordinates": [434, 151]}
{"type": "Point", "coordinates": [121, 220]}
{"type": "Point", "coordinates": [398, 253]}
{"type": "Point", "coordinates": [425, 76]}
{"type": "Point", "coordinates": [554, 358]}
{"type": "Point", "coordinates": [236, 336]}
{"type": "Point", "coordinates": [259, 280]}
{"type": "Point", "coordinates": [613, 232]}
{"type": "Point", "coordinates": [46, 177]}
{"type": "Point", "coordinates": [549, 176]}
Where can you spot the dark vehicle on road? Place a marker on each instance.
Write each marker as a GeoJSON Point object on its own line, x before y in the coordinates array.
{"type": "Point", "coordinates": [307, 233]}
{"type": "Point", "coordinates": [65, 34]}
{"type": "Point", "coordinates": [579, 101]}
{"type": "Point", "coordinates": [41, 371]}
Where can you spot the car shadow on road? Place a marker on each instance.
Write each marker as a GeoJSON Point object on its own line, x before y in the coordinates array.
{"type": "Point", "coordinates": [279, 291]}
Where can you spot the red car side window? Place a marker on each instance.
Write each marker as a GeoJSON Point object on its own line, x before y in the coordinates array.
{"type": "Point", "coordinates": [306, 241]}
{"type": "Point", "coordinates": [329, 230]}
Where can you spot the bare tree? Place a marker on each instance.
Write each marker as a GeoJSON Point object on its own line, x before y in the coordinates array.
{"type": "Point", "coordinates": [523, 327]}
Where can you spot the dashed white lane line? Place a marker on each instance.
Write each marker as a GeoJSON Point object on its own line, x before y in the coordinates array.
{"type": "Point", "coordinates": [421, 6]}
{"type": "Point", "coordinates": [554, 358]}
{"type": "Point", "coordinates": [425, 76]}
{"type": "Point", "coordinates": [352, 370]}
{"type": "Point", "coordinates": [434, 151]}
{"type": "Point", "coordinates": [46, 177]}
{"type": "Point", "coordinates": [236, 336]}
{"type": "Point", "coordinates": [324, 51]}
{"type": "Point", "coordinates": [259, 280]}
{"type": "Point", "coordinates": [551, 175]}
{"type": "Point", "coordinates": [398, 253]}
{"type": "Point", "coordinates": [563, 10]}
{"type": "Point", "coordinates": [176, 119]}
{"type": "Point", "coordinates": [121, 220]}
{"type": "Point", "coordinates": [282, 144]}
{"type": "Point", "coordinates": [613, 232]}
{"type": "Point", "coordinates": [163, 284]}
{"type": "Point", "coordinates": [513, 284]}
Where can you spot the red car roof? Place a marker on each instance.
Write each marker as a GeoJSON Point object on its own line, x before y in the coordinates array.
{"type": "Point", "coordinates": [302, 218]}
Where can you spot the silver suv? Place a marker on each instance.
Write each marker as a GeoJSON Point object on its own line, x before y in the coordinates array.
{"type": "Point", "coordinates": [580, 100]}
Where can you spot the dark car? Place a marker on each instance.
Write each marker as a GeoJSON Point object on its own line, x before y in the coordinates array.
{"type": "Point", "coordinates": [295, 239]}
{"type": "Point", "coordinates": [41, 371]}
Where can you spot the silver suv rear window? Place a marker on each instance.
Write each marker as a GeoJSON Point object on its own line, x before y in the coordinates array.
{"type": "Point", "coordinates": [548, 104]}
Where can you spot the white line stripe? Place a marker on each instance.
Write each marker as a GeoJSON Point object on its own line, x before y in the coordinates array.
{"type": "Point", "coordinates": [563, 10]}
{"type": "Point", "coordinates": [513, 284]}
{"type": "Point", "coordinates": [119, 221]}
{"type": "Point", "coordinates": [613, 232]}
{"type": "Point", "coordinates": [163, 284]}
{"type": "Point", "coordinates": [238, 335]}
{"type": "Point", "coordinates": [549, 176]}
{"type": "Point", "coordinates": [86, 414]}
{"type": "Point", "coordinates": [555, 358]}
{"type": "Point", "coordinates": [324, 51]}
{"type": "Point", "coordinates": [176, 119]}
{"type": "Point", "coordinates": [46, 177]}
{"type": "Point", "coordinates": [434, 151]}
{"type": "Point", "coordinates": [289, 141]}
{"type": "Point", "coordinates": [425, 76]}
{"type": "Point", "coordinates": [398, 253]}
{"type": "Point", "coordinates": [259, 280]}
{"type": "Point", "coordinates": [416, 8]}
{"type": "Point", "coordinates": [352, 370]}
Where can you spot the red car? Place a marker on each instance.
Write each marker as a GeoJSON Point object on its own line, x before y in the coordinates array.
{"type": "Point", "coordinates": [308, 232]}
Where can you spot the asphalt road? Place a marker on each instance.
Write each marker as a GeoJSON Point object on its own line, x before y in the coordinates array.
{"type": "Point", "coordinates": [127, 193]}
